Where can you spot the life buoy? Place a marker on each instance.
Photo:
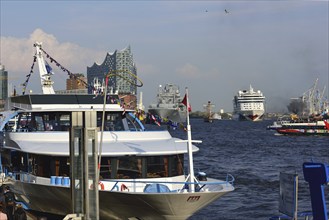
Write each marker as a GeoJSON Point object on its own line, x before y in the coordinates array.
{"type": "Point", "coordinates": [124, 187]}
{"type": "Point", "coordinates": [100, 186]}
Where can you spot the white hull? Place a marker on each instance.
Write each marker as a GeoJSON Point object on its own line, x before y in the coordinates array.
{"type": "Point", "coordinates": [39, 195]}
{"type": "Point", "coordinates": [249, 115]}
{"type": "Point", "coordinates": [120, 205]}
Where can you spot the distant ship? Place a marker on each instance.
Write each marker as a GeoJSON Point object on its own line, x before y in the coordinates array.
{"type": "Point", "coordinates": [249, 105]}
{"type": "Point", "coordinates": [209, 114]}
{"type": "Point", "coordinates": [169, 104]}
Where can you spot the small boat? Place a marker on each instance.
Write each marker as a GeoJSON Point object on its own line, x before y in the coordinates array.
{"type": "Point", "coordinates": [141, 173]}
{"type": "Point", "coordinates": [320, 128]}
{"type": "Point", "coordinates": [210, 116]}
{"type": "Point", "coordinates": [279, 122]}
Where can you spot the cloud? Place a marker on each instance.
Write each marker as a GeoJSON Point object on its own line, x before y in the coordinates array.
{"type": "Point", "coordinates": [189, 70]}
{"type": "Point", "coordinates": [17, 55]}
{"type": "Point", "coordinates": [145, 69]}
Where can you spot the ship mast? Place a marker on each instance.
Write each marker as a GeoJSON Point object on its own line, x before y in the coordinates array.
{"type": "Point", "coordinates": [189, 142]}
{"type": "Point", "coordinates": [46, 82]}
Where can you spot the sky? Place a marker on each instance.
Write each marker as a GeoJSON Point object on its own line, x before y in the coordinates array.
{"type": "Point", "coordinates": [278, 47]}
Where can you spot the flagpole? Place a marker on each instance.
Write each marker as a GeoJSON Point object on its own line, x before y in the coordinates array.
{"type": "Point", "coordinates": [102, 129]}
{"type": "Point", "coordinates": [189, 143]}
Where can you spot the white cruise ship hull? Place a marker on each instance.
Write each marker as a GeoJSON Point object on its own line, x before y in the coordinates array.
{"type": "Point", "coordinates": [249, 115]}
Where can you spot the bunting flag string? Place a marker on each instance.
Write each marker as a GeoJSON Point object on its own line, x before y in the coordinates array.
{"type": "Point", "coordinates": [150, 118]}
{"type": "Point", "coordinates": [71, 75]}
{"type": "Point", "coordinates": [52, 60]}
{"type": "Point", "coordinates": [29, 75]}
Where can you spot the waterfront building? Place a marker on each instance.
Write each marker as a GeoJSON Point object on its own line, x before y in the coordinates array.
{"type": "Point", "coordinates": [3, 86]}
{"type": "Point", "coordinates": [76, 81]}
{"type": "Point", "coordinates": [119, 62]}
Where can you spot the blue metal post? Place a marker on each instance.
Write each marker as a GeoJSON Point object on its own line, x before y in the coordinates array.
{"type": "Point", "coordinates": [317, 175]}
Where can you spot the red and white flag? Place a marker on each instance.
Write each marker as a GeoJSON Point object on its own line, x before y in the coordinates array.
{"type": "Point", "coordinates": [155, 120]}
{"type": "Point", "coordinates": [326, 124]}
{"type": "Point", "coordinates": [189, 108]}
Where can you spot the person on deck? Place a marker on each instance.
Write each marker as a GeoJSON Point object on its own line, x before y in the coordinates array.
{"type": "Point", "coordinates": [20, 213]}
{"type": "Point", "coordinates": [3, 215]}
{"type": "Point", "coordinates": [10, 202]}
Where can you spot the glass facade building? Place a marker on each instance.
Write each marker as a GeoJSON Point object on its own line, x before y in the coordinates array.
{"type": "Point", "coordinates": [120, 63]}
{"type": "Point", "coordinates": [3, 86]}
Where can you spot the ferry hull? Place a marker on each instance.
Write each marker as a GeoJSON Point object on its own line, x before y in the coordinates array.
{"type": "Point", "coordinates": [116, 204]}
{"type": "Point", "coordinates": [319, 128]}
{"type": "Point", "coordinates": [302, 132]}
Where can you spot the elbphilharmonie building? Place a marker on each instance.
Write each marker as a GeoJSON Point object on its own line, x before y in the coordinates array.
{"type": "Point", "coordinates": [120, 62]}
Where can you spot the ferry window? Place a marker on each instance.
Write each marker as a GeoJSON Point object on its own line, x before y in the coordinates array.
{"type": "Point", "coordinates": [165, 166]}
{"type": "Point", "coordinates": [46, 166]}
{"type": "Point", "coordinates": [39, 123]}
{"type": "Point", "coordinates": [49, 121]}
{"type": "Point", "coordinates": [64, 122]}
{"type": "Point", "coordinates": [129, 167]}
{"type": "Point", "coordinates": [22, 121]}
{"type": "Point", "coordinates": [113, 121]}
{"type": "Point", "coordinates": [106, 167]}
{"type": "Point", "coordinates": [18, 161]}
{"type": "Point", "coordinates": [176, 165]}
{"type": "Point", "coordinates": [133, 167]}
{"type": "Point", "coordinates": [157, 167]}
{"type": "Point", "coordinates": [132, 123]}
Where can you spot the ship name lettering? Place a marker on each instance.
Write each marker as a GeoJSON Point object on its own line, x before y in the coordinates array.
{"type": "Point", "coordinates": [193, 198]}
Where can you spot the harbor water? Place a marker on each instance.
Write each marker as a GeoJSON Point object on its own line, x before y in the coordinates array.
{"type": "Point", "coordinates": [255, 157]}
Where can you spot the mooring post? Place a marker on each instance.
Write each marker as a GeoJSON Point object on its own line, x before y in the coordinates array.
{"type": "Point", "coordinates": [317, 175]}
{"type": "Point", "coordinates": [83, 163]}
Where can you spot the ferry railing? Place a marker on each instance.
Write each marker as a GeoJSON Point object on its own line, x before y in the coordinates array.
{"type": "Point", "coordinates": [22, 176]}
{"type": "Point", "coordinates": [133, 185]}
{"type": "Point", "coordinates": [177, 186]}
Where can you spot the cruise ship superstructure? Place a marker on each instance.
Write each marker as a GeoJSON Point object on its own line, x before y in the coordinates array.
{"type": "Point", "coordinates": [249, 105]}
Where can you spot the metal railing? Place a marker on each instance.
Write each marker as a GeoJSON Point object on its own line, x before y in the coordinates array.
{"type": "Point", "coordinates": [154, 186]}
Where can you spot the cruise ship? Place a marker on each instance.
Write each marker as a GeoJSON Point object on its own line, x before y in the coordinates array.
{"type": "Point", "coordinates": [249, 105]}
{"type": "Point", "coordinates": [169, 104]}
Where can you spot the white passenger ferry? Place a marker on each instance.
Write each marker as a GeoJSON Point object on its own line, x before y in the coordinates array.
{"type": "Point", "coordinates": [142, 173]}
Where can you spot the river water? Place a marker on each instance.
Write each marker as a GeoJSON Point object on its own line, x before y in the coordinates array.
{"type": "Point", "coordinates": [255, 157]}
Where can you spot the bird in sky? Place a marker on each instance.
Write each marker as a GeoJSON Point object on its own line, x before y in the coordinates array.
{"type": "Point", "coordinates": [226, 11]}
{"type": "Point", "coordinates": [206, 10]}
